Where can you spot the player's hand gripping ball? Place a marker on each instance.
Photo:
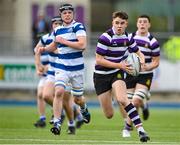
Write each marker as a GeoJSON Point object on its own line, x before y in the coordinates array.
{"type": "Point", "coordinates": [134, 61]}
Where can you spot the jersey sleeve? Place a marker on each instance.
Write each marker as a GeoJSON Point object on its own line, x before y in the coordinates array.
{"type": "Point", "coordinates": [104, 42]}
{"type": "Point", "coordinates": [132, 44]}
{"type": "Point", "coordinates": [80, 30]}
{"type": "Point", "coordinates": [155, 48]}
{"type": "Point", "coordinates": [42, 41]}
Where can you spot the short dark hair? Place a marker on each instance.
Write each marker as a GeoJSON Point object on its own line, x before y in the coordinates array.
{"type": "Point", "coordinates": [145, 16]}
{"type": "Point", "coordinates": [66, 7]}
{"type": "Point", "coordinates": [120, 14]}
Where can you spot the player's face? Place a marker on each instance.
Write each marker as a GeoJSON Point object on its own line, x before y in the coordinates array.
{"type": "Point", "coordinates": [119, 25]}
{"type": "Point", "coordinates": [67, 16]}
{"type": "Point", "coordinates": [143, 25]}
{"type": "Point", "coordinates": [55, 24]}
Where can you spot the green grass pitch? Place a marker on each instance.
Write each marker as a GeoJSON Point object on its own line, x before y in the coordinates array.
{"type": "Point", "coordinates": [16, 127]}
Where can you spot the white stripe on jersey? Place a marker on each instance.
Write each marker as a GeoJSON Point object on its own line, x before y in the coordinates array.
{"type": "Point", "coordinates": [44, 58]}
{"type": "Point", "coordinates": [70, 62]}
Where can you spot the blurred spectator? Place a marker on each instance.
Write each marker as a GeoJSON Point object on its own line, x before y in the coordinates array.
{"type": "Point", "coordinates": [172, 48]}
{"type": "Point", "coordinates": [40, 27]}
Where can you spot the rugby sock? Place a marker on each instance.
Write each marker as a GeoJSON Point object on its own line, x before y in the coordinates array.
{"type": "Point", "coordinates": [71, 123]}
{"type": "Point", "coordinates": [145, 106]}
{"type": "Point", "coordinates": [42, 118]}
{"type": "Point", "coordinates": [133, 115]}
{"type": "Point", "coordinates": [140, 128]}
{"type": "Point", "coordinates": [127, 126]}
{"type": "Point", "coordinates": [57, 121]}
{"type": "Point", "coordinates": [63, 113]}
{"type": "Point", "coordinates": [79, 117]}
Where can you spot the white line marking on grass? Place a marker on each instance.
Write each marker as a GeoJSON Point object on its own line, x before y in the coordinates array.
{"type": "Point", "coordinates": [90, 141]}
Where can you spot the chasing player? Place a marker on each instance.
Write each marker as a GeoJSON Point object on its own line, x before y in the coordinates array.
{"type": "Point", "coordinates": [139, 87]}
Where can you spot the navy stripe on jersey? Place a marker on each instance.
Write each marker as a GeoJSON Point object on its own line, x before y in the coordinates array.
{"type": "Point", "coordinates": [45, 62]}
{"type": "Point", "coordinates": [70, 30]}
{"type": "Point", "coordinates": [63, 31]}
{"type": "Point", "coordinates": [70, 55]}
{"type": "Point", "coordinates": [44, 53]}
{"type": "Point", "coordinates": [68, 68]}
{"type": "Point", "coordinates": [46, 42]}
{"type": "Point", "coordinates": [79, 27]}
{"type": "Point", "coordinates": [50, 72]}
{"type": "Point", "coordinates": [63, 45]}
{"type": "Point", "coordinates": [44, 58]}
{"type": "Point", "coordinates": [52, 54]}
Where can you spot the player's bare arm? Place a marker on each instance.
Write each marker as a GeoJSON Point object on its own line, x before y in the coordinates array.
{"type": "Point", "coordinates": [38, 64]}
{"type": "Point", "coordinates": [80, 44]}
{"type": "Point", "coordinates": [150, 66]}
{"type": "Point", "coordinates": [141, 57]}
{"type": "Point", "coordinates": [49, 48]}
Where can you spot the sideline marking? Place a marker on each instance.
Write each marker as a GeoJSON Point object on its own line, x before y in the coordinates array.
{"type": "Point", "coordinates": [91, 141]}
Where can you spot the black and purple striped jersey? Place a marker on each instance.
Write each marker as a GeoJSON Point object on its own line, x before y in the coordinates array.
{"type": "Point", "coordinates": [114, 48]}
{"type": "Point", "coordinates": [148, 45]}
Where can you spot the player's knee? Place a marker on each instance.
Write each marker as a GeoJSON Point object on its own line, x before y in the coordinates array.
{"type": "Point", "coordinates": [122, 101]}
{"type": "Point", "coordinates": [141, 94]}
{"type": "Point", "coordinates": [137, 102]}
{"type": "Point", "coordinates": [59, 92]}
{"type": "Point", "coordinates": [40, 96]}
{"type": "Point", "coordinates": [46, 96]}
{"type": "Point", "coordinates": [67, 100]}
{"type": "Point", "coordinates": [79, 100]}
{"type": "Point", "coordinates": [109, 115]}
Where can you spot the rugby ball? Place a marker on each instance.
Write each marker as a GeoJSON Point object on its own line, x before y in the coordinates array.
{"type": "Point", "coordinates": [134, 61]}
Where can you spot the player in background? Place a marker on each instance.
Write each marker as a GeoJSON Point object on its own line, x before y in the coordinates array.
{"type": "Point", "coordinates": [111, 67]}
{"type": "Point", "coordinates": [138, 87]}
{"type": "Point", "coordinates": [70, 41]}
{"type": "Point", "coordinates": [48, 89]}
{"type": "Point", "coordinates": [41, 63]}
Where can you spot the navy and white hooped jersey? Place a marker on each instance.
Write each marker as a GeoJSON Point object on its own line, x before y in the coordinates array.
{"type": "Point", "coordinates": [69, 59]}
{"type": "Point", "coordinates": [44, 41]}
{"type": "Point", "coordinates": [114, 48]}
{"type": "Point", "coordinates": [148, 45]}
{"type": "Point", "coordinates": [52, 59]}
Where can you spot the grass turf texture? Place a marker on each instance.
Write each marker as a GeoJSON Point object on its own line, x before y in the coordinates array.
{"type": "Point", "coordinates": [16, 127]}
